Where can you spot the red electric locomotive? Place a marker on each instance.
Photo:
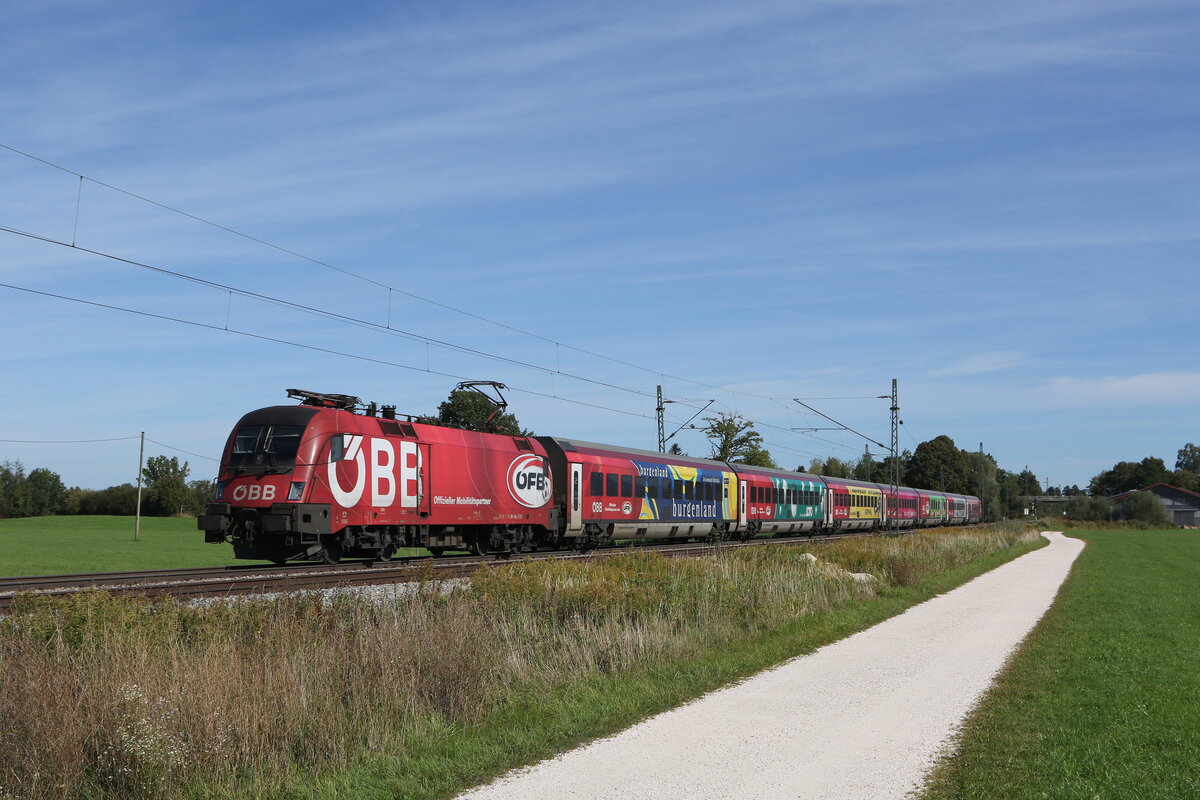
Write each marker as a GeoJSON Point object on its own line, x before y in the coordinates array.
{"type": "Point", "coordinates": [320, 481]}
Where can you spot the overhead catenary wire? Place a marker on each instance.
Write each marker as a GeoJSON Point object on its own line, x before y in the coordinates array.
{"type": "Point", "coordinates": [372, 281]}
{"type": "Point", "coordinates": [314, 348]}
{"type": "Point", "coordinates": [330, 315]}
{"type": "Point", "coordinates": [333, 316]}
{"type": "Point", "coordinates": [366, 324]}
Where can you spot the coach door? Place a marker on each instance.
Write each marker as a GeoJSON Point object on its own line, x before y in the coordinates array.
{"type": "Point", "coordinates": [743, 489]}
{"type": "Point", "coordinates": [575, 498]}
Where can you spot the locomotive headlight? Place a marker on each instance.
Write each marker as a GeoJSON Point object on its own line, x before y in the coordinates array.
{"type": "Point", "coordinates": [296, 491]}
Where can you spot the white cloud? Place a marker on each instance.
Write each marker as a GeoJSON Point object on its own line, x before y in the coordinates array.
{"type": "Point", "coordinates": [1150, 388]}
{"type": "Point", "coordinates": [980, 363]}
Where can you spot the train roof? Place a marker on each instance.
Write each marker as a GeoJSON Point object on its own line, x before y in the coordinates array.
{"type": "Point", "coordinates": [853, 482]}
{"type": "Point", "coordinates": [594, 448]}
{"type": "Point", "coordinates": [751, 469]}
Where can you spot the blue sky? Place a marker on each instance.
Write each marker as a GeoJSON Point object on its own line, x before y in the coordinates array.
{"type": "Point", "coordinates": [994, 203]}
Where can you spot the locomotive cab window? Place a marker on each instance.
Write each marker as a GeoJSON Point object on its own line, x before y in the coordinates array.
{"type": "Point", "coordinates": [266, 446]}
{"type": "Point", "coordinates": [246, 439]}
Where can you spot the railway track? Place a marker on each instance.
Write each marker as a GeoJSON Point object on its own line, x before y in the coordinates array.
{"type": "Point", "coordinates": [197, 582]}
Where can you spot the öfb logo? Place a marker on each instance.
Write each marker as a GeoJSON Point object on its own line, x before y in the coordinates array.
{"type": "Point", "coordinates": [529, 481]}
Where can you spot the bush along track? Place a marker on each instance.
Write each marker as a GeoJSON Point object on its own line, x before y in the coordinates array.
{"type": "Point", "coordinates": [1100, 700]}
{"type": "Point", "coordinates": [431, 690]}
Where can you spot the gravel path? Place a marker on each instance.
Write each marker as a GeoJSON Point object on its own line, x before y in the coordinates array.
{"type": "Point", "coordinates": [861, 718]}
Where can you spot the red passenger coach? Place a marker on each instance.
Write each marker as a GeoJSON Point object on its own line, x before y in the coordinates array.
{"type": "Point", "coordinates": [900, 508]}
{"type": "Point", "coordinates": [624, 493]}
{"type": "Point", "coordinates": [318, 480]}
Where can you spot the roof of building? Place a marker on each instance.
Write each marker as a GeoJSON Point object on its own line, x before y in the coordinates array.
{"type": "Point", "coordinates": [1116, 498]}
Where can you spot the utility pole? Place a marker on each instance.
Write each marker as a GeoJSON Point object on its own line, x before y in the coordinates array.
{"type": "Point", "coordinates": [895, 451]}
{"type": "Point", "coordinates": [982, 485]}
{"type": "Point", "coordinates": [662, 440]}
{"type": "Point", "coordinates": [137, 524]}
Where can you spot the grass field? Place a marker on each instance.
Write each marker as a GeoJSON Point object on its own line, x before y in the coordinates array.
{"type": "Point", "coordinates": [50, 545]}
{"type": "Point", "coordinates": [55, 545]}
{"type": "Point", "coordinates": [1102, 699]}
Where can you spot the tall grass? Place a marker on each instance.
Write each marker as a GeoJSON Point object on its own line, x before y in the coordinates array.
{"type": "Point", "coordinates": [106, 697]}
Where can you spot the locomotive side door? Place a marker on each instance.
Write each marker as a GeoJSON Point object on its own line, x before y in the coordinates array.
{"type": "Point", "coordinates": [575, 498]}
{"type": "Point", "coordinates": [424, 473]}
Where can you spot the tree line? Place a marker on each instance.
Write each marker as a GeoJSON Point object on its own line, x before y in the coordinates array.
{"type": "Point", "coordinates": [935, 465]}
{"type": "Point", "coordinates": [41, 492]}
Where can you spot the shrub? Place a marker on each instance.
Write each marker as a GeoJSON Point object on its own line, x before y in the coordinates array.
{"type": "Point", "coordinates": [1145, 507]}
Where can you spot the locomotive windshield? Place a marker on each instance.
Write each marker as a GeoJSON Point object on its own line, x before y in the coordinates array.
{"type": "Point", "coordinates": [272, 446]}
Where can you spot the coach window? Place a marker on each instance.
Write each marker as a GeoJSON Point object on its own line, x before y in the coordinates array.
{"type": "Point", "coordinates": [597, 484]}
{"type": "Point", "coordinates": [666, 489]}
{"type": "Point", "coordinates": [611, 483]}
{"type": "Point", "coordinates": [679, 495]}
{"type": "Point", "coordinates": [626, 486]}
{"type": "Point", "coordinates": [652, 487]}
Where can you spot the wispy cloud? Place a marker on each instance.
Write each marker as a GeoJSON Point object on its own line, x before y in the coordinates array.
{"type": "Point", "coordinates": [1147, 389]}
{"type": "Point", "coordinates": [979, 364]}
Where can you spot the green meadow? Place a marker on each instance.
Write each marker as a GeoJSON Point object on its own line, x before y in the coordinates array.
{"type": "Point", "coordinates": [52, 545]}
{"type": "Point", "coordinates": [1102, 699]}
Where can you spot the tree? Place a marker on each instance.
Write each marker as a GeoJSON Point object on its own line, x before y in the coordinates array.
{"type": "Point", "coordinates": [1145, 507]}
{"type": "Point", "coordinates": [116, 500]}
{"type": "Point", "coordinates": [166, 486]}
{"type": "Point", "coordinates": [14, 490]}
{"type": "Point", "coordinates": [45, 490]}
{"type": "Point", "coordinates": [1092, 509]}
{"type": "Point", "coordinates": [831, 467]}
{"type": "Point", "coordinates": [1185, 480]}
{"type": "Point", "coordinates": [675, 450]}
{"type": "Point", "coordinates": [733, 439]}
{"type": "Point", "coordinates": [1189, 458]}
{"type": "Point", "coordinates": [1127, 476]}
{"type": "Point", "coordinates": [938, 464]}
{"type": "Point", "coordinates": [469, 410]}
{"type": "Point", "coordinates": [1027, 483]}
{"type": "Point", "coordinates": [864, 470]}
{"type": "Point", "coordinates": [200, 494]}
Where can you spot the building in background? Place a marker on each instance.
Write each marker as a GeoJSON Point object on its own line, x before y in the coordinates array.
{"type": "Point", "coordinates": [1182, 505]}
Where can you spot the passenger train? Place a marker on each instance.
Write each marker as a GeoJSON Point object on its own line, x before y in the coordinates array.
{"type": "Point", "coordinates": [330, 478]}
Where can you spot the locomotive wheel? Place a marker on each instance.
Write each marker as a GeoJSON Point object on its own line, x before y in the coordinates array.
{"type": "Point", "coordinates": [331, 553]}
{"type": "Point", "coordinates": [436, 551]}
{"type": "Point", "coordinates": [481, 544]}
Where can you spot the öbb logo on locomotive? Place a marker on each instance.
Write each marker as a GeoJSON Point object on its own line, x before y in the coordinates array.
{"type": "Point", "coordinates": [529, 481]}
{"type": "Point", "coordinates": [254, 492]}
{"type": "Point", "coordinates": [381, 470]}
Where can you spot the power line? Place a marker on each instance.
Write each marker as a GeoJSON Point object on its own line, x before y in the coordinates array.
{"type": "Point", "coordinates": [181, 450]}
{"type": "Point", "coordinates": [313, 348]}
{"type": "Point", "coordinates": [66, 441]}
{"type": "Point", "coordinates": [335, 317]}
{"type": "Point", "coordinates": [360, 277]}
{"type": "Point", "coordinates": [330, 315]}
